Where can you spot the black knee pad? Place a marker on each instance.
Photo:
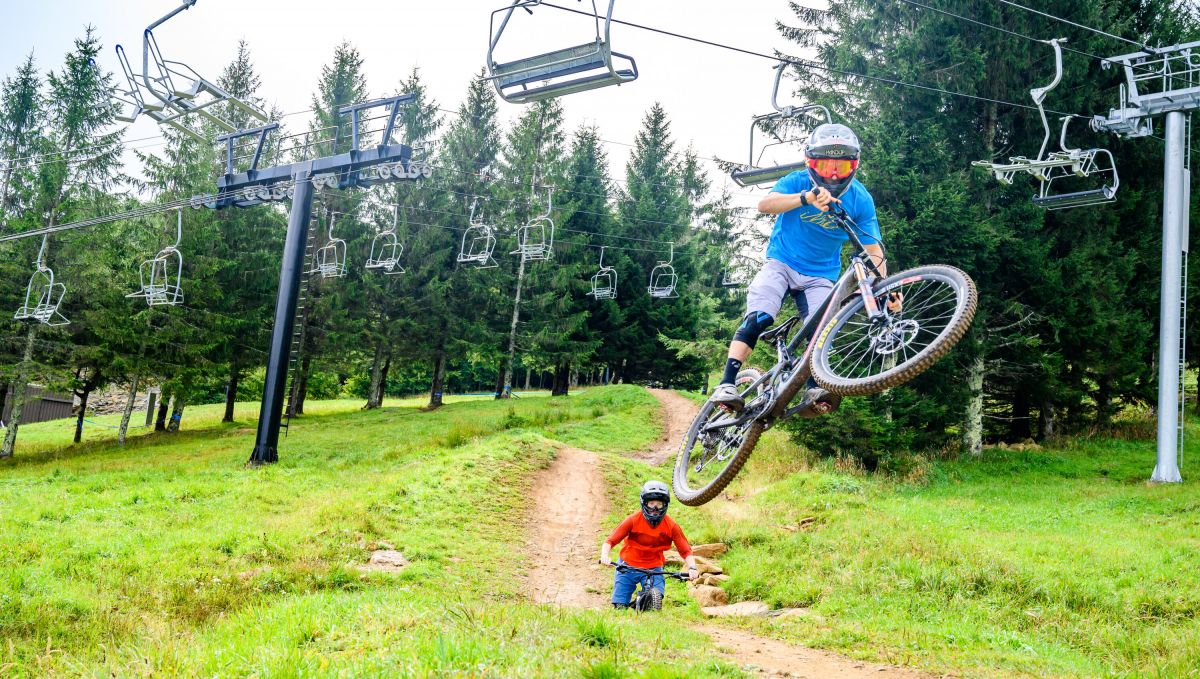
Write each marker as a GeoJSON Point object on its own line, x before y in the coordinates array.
{"type": "Point", "coordinates": [754, 324]}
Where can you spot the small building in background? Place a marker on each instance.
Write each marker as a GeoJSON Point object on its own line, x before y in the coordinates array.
{"type": "Point", "coordinates": [41, 405]}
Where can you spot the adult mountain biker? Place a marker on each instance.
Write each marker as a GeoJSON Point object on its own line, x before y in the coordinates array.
{"type": "Point", "coordinates": [647, 534]}
{"type": "Point", "coordinates": [804, 253]}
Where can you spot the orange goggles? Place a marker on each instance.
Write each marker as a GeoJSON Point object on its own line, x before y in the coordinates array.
{"type": "Point", "coordinates": [833, 167]}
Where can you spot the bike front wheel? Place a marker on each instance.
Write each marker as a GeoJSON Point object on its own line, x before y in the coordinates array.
{"type": "Point", "coordinates": [708, 461]}
{"type": "Point", "coordinates": [855, 355]}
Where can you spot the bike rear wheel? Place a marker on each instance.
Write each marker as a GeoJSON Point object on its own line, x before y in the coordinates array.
{"type": "Point", "coordinates": [707, 462]}
{"type": "Point", "coordinates": [855, 356]}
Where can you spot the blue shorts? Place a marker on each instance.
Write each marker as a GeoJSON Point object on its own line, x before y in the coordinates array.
{"type": "Point", "coordinates": [624, 583]}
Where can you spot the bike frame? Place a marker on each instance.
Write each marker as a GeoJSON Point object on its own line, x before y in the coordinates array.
{"type": "Point", "coordinates": [767, 406]}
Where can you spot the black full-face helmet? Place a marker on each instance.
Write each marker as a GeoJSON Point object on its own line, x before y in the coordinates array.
{"type": "Point", "coordinates": [655, 490]}
{"type": "Point", "coordinates": [832, 153]}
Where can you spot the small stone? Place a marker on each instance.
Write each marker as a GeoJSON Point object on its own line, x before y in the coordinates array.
{"type": "Point", "coordinates": [708, 595]}
{"type": "Point", "coordinates": [710, 550]}
{"type": "Point", "coordinates": [385, 560]}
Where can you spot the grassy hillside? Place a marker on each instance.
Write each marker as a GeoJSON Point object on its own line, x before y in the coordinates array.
{"type": "Point", "coordinates": [1055, 562]}
{"type": "Point", "coordinates": [169, 558]}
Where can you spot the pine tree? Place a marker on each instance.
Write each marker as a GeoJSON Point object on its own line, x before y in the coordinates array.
{"type": "Point", "coordinates": [69, 185]}
{"type": "Point", "coordinates": [655, 206]}
{"type": "Point", "coordinates": [450, 306]}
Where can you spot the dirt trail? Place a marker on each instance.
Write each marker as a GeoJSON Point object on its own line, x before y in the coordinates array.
{"type": "Point", "coordinates": [678, 413]}
{"type": "Point", "coordinates": [565, 534]}
{"type": "Point", "coordinates": [565, 531]}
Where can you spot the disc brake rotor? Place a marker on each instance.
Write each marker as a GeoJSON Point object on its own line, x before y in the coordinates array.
{"type": "Point", "coordinates": [894, 336]}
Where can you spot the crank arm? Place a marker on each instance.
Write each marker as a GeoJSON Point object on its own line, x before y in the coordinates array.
{"type": "Point", "coordinates": [727, 421]}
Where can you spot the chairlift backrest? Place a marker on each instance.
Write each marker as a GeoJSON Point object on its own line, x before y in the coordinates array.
{"type": "Point", "coordinates": [754, 173]}
{"type": "Point", "coordinates": [386, 250]}
{"type": "Point", "coordinates": [560, 72]}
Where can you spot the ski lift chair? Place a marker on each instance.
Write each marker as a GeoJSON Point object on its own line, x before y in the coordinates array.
{"type": "Point", "coordinates": [535, 239]}
{"type": "Point", "coordinates": [478, 242]}
{"type": "Point", "coordinates": [386, 250]}
{"type": "Point", "coordinates": [43, 295]}
{"type": "Point", "coordinates": [330, 259]}
{"type": "Point", "coordinates": [1062, 164]}
{"type": "Point", "coordinates": [754, 173]}
{"type": "Point", "coordinates": [604, 281]}
{"type": "Point", "coordinates": [564, 71]}
{"type": "Point", "coordinates": [663, 278]}
{"type": "Point", "coordinates": [181, 95]}
{"type": "Point", "coordinates": [161, 277]}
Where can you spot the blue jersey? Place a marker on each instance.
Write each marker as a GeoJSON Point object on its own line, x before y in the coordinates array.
{"type": "Point", "coordinates": [808, 240]}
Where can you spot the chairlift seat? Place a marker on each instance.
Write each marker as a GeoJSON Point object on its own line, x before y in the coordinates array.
{"type": "Point", "coordinates": [1105, 194]}
{"type": "Point", "coordinates": [512, 78]}
{"type": "Point", "coordinates": [760, 176]}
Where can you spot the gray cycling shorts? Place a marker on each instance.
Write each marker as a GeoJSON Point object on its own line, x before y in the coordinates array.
{"type": "Point", "coordinates": [777, 280]}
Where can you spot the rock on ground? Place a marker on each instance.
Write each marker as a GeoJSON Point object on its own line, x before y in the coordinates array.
{"type": "Point", "coordinates": [708, 595]}
{"type": "Point", "coordinates": [384, 560]}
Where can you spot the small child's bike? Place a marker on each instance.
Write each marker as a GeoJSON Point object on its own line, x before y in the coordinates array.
{"type": "Point", "coordinates": [645, 597]}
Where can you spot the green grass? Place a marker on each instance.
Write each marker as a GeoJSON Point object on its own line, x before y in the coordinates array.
{"type": "Point", "coordinates": [1059, 562]}
{"type": "Point", "coordinates": [168, 558]}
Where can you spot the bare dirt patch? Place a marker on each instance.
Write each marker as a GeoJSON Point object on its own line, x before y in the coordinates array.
{"type": "Point", "coordinates": [772, 657]}
{"type": "Point", "coordinates": [565, 532]}
{"type": "Point", "coordinates": [678, 413]}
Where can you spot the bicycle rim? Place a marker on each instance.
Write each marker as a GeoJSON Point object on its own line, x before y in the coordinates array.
{"type": "Point", "coordinates": [855, 356]}
{"type": "Point", "coordinates": [706, 463]}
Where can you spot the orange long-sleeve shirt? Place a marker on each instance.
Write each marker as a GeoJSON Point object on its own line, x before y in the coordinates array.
{"type": "Point", "coordinates": [645, 544]}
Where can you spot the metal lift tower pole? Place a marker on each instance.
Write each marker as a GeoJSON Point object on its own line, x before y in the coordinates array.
{"type": "Point", "coordinates": [1167, 468]}
{"type": "Point", "coordinates": [1165, 82]}
{"type": "Point", "coordinates": [266, 446]}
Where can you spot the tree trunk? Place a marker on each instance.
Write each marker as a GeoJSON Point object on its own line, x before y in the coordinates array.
{"type": "Point", "coordinates": [375, 391]}
{"type": "Point", "coordinates": [302, 388]}
{"type": "Point", "coordinates": [176, 414]}
{"type": "Point", "coordinates": [500, 375]}
{"type": "Point", "coordinates": [1019, 426]}
{"type": "Point", "coordinates": [439, 376]}
{"type": "Point", "coordinates": [231, 392]}
{"type": "Point", "coordinates": [512, 328]}
{"type": "Point", "coordinates": [973, 418]}
{"type": "Point", "coordinates": [83, 401]}
{"type": "Point", "coordinates": [20, 386]}
{"type": "Point", "coordinates": [383, 377]}
{"type": "Point", "coordinates": [1047, 420]}
{"type": "Point", "coordinates": [562, 379]}
{"type": "Point", "coordinates": [527, 373]}
{"type": "Point", "coordinates": [1103, 401]}
{"type": "Point", "coordinates": [128, 412]}
{"type": "Point", "coordinates": [160, 420]}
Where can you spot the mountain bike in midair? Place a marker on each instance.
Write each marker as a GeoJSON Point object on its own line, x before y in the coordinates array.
{"type": "Point", "coordinates": [872, 333]}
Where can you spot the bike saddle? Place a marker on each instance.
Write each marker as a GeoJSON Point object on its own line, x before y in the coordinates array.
{"type": "Point", "coordinates": [780, 330]}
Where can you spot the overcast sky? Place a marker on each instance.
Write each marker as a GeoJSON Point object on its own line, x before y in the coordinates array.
{"type": "Point", "coordinates": [709, 93]}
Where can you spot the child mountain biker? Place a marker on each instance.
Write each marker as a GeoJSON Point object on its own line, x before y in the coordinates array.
{"type": "Point", "coordinates": [647, 534]}
{"type": "Point", "coordinates": [804, 253]}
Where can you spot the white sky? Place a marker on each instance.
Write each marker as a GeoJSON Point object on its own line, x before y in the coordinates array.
{"type": "Point", "coordinates": [709, 93]}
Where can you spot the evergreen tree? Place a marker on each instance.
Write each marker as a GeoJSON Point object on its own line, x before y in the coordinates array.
{"type": "Point", "coordinates": [655, 206]}
{"type": "Point", "coordinates": [69, 184]}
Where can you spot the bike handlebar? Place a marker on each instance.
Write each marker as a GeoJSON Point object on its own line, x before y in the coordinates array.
{"type": "Point", "coordinates": [677, 575]}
